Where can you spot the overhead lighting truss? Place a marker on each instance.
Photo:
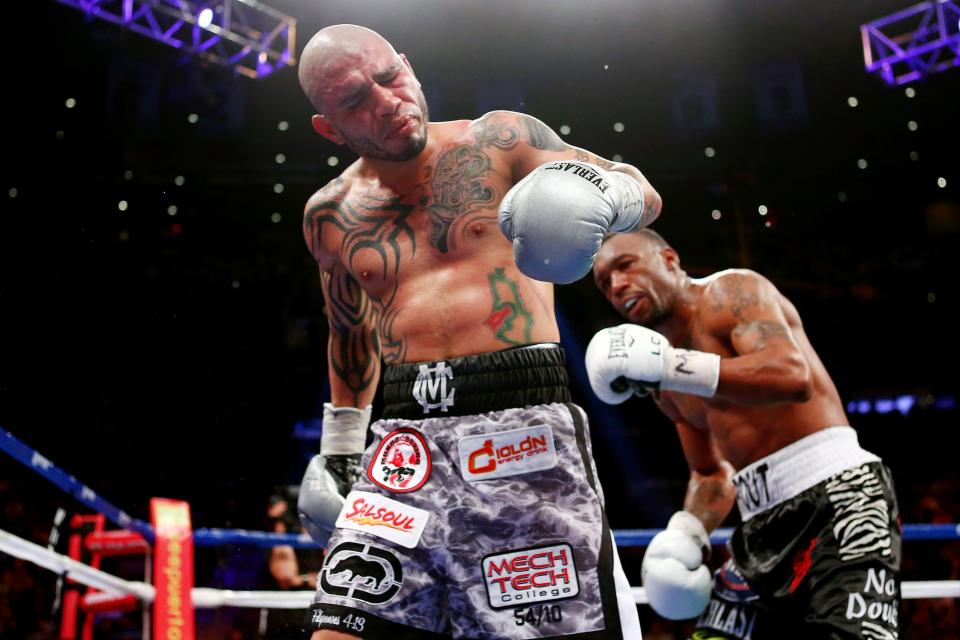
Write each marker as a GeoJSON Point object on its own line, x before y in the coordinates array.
{"type": "Point", "coordinates": [915, 42]}
{"type": "Point", "coordinates": [249, 36]}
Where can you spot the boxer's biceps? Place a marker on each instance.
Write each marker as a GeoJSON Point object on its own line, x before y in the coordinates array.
{"type": "Point", "coordinates": [752, 335]}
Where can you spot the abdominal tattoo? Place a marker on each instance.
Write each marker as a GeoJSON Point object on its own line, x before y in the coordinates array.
{"type": "Point", "coordinates": [509, 320]}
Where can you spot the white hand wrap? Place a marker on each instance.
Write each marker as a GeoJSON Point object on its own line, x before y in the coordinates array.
{"type": "Point", "coordinates": [638, 354]}
{"type": "Point", "coordinates": [688, 371]}
{"type": "Point", "coordinates": [677, 583]}
{"type": "Point", "coordinates": [344, 430]}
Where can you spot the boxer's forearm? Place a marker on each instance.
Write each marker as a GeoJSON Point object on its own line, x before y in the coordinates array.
{"type": "Point", "coordinates": [763, 378]}
{"type": "Point", "coordinates": [354, 368]}
{"type": "Point", "coordinates": [710, 497]}
{"type": "Point", "coordinates": [652, 202]}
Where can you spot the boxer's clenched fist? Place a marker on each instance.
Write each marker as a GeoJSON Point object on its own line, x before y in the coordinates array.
{"type": "Point", "coordinates": [556, 217]}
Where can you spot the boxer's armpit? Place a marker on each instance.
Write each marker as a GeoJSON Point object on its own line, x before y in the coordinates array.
{"type": "Point", "coordinates": [354, 345]}
{"type": "Point", "coordinates": [509, 320]}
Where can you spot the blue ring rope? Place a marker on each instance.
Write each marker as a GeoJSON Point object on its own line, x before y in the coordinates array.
{"type": "Point", "coordinates": [220, 537]}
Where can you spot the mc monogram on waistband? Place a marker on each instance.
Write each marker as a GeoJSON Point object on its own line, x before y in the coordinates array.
{"type": "Point", "coordinates": [430, 388]}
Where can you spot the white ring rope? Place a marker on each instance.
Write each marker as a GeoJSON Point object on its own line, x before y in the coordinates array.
{"type": "Point", "coordinates": [210, 598]}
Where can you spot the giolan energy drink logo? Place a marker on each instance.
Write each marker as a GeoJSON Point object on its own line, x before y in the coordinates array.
{"type": "Point", "coordinates": [528, 576]}
{"type": "Point", "coordinates": [507, 453]}
{"type": "Point", "coordinates": [383, 517]}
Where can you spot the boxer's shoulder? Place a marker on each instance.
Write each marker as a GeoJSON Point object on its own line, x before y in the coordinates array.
{"type": "Point", "coordinates": [321, 208]}
{"type": "Point", "coordinates": [331, 194]}
{"type": "Point", "coordinates": [728, 295]}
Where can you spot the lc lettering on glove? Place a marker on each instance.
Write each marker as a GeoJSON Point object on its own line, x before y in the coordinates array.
{"type": "Point", "coordinates": [641, 355]}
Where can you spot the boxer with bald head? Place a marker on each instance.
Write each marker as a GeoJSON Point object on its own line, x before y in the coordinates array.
{"type": "Point", "coordinates": [761, 424]}
{"type": "Point", "coordinates": [475, 512]}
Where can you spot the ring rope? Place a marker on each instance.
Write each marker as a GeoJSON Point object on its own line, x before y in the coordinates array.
{"type": "Point", "coordinates": [204, 598]}
{"type": "Point", "coordinates": [217, 537]}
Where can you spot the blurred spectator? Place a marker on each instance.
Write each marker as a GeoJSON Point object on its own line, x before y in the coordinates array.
{"type": "Point", "coordinates": [289, 568]}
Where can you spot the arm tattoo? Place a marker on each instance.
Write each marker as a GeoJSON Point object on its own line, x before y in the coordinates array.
{"type": "Point", "coordinates": [583, 156]}
{"type": "Point", "coordinates": [540, 136]}
{"type": "Point", "coordinates": [354, 347]}
{"type": "Point", "coordinates": [461, 192]}
{"type": "Point", "coordinates": [509, 320]}
{"type": "Point", "coordinates": [376, 224]}
{"type": "Point", "coordinates": [739, 292]}
{"type": "Point", "coordinates": [765, 331]}
{"type": "Point", "coordinates": [393, 348]}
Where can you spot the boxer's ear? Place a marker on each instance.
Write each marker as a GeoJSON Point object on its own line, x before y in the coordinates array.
{"type": "Point", "coordinates": [670, 258]}
{"type": "Point", "coordinates": [322, 126]}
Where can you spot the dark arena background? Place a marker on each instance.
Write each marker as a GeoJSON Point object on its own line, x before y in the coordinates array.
{"type": "Point", "coordinates": [162, 329]}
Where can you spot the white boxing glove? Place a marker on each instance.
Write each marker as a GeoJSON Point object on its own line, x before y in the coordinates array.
{"type": "Point", "coordinates": [557, 216]}
{"type": "Point", "coordinates": [629, 353]}
{"type": "Point", "coordinates": [677, 582]}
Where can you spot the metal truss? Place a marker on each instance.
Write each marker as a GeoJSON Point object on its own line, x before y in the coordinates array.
{"type": "Point", "coordinates": [913, 43]}
{"type": "Point", "coordinates": [247, 35]}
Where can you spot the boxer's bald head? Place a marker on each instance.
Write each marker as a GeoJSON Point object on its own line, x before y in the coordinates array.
{"type": "Point", "coordinates": [365, 93]}
{"type": "Point", "coordinates": [640, 275]}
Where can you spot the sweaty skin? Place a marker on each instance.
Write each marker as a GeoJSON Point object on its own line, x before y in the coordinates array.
{"type": "Point", "coordinates": [413, 264]}
{"type": "Point", "coordinates": [773, 387]}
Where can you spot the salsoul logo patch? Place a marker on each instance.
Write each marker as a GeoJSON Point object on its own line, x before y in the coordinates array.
{"type": "Point", "coordinates": [528, 576]}
{"type": "Point", "coordinates": [362, 572]}
{"type": "Point", "coordinates": [401, 463]}
{"type": "Point", "coordinates": [383, 517]}
{"type": "Point", "coordinates": [430, 387]}
{"type": "Point", "coordinates": [507, 453]}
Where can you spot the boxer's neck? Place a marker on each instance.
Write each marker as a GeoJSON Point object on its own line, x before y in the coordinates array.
{"type": "Point", "coordinates": [400, 175]}
{"type": "Point", "coordinates": [677, 324]}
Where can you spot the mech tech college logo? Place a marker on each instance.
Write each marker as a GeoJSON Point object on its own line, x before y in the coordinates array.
{"type": "Point", "coordinates": [401, 463]}
{"type": "Point", "coordinates": [528, 576]}
{"type": "Point", "coordinates": [508, 453]}
{"type": "Point", "coordinates": [362, 572]}
{"type": "Point", "coordinates": [380, 516]}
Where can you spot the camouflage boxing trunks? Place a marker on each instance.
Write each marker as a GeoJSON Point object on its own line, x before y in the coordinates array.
{"type": "Point", "coordinates": [819, 547]}
{"type": "Point", "coordinates": [480, 514]}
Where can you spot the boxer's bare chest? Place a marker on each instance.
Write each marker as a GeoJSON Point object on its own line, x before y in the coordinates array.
{"type": "Point", "coordinates": [387, 232]}
{"type": "Point", "coordinates": [695, 410]}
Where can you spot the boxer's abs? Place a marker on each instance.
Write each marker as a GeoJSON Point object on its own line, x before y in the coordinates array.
{"type": "Point", "coordinates": [461, 307]}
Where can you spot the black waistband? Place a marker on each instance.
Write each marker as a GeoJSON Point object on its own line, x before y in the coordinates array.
{"type": "Point", "coordinates": [474, 384]}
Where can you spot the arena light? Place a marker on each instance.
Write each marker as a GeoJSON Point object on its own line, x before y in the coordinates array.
{"type": "Point", "coordinates": [205, 18]}
{"type": "Point", "coordinates": [249, 36]}
{"type": "Point", "coordinates": [915, 42]}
